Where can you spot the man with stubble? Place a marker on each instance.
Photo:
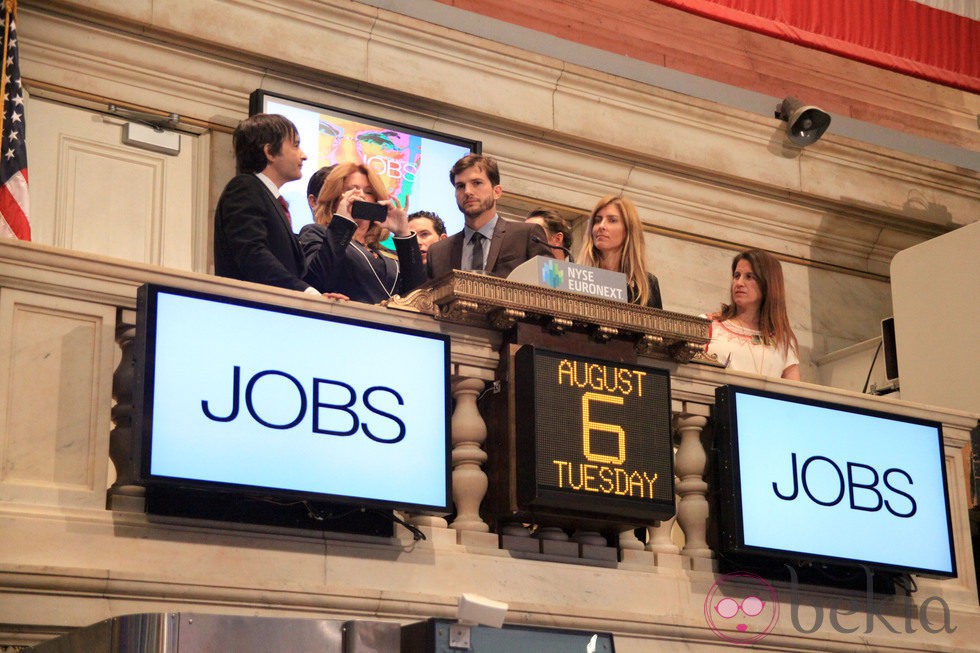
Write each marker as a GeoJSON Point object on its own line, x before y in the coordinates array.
{"type": "Point", "coordinates": [488, 243]}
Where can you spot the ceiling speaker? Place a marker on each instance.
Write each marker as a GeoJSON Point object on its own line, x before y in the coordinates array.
{"type": "Point", "coordinates": [804, 124]}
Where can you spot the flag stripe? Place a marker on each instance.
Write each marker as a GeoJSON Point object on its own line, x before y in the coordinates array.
{"type": "Point", "coordinates": [14, 198]}
{"type": "Point", "coordinates": [13, 202]}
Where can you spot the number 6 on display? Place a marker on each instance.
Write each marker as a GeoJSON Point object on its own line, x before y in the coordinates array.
{"type": "Point", "coordinates": [588, 426]}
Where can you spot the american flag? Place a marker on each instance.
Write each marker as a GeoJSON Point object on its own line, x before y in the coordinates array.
{"type": "Point", "coordinates": [14, 201]}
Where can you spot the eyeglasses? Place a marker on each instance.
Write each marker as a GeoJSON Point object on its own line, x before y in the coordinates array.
{"type": "Point", "coordinates": [751, 606]}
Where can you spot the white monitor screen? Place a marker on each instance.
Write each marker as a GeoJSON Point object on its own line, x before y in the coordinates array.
{"type": "Point", "coordinates": [834, 482]}
{"type": "Point", "coordinates": [413, 163]}
{"type": "Point", "coordinates": [265, 398]}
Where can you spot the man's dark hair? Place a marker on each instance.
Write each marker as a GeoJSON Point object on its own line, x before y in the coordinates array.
{"type": "Point", "coordinates": [437, 222]}
{"type": "Point", "coordinates": [555, 224]}
{"type": "Point", "coordinates": [484, 163]}
{"type": "Point", "coordinates": [253, 134]}
{"type": "Point", "coordinates": [316, 181]}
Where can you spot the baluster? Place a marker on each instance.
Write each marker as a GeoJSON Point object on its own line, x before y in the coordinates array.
{"type": "Point", "coordinates": [660, 539]}
{"type": "Point", "coordinates": [628, 540]}
{"type": "Point", "coordinates": [692, 511]}
{"type": "Point", "coordinates": [469, 479]}
{"type": "Point", "coordinates": [124, 494]}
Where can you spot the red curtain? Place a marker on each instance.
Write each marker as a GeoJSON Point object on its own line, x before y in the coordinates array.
{"type": "Point", "coordinates": [900, 35]}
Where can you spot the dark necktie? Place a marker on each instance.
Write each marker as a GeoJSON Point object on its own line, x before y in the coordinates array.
{"type": "Point", "coordinates": [476, 261]}
{"type": "Point", "coordinates": [285, 207]}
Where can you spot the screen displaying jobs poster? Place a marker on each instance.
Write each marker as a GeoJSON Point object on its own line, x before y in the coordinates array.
{"type": "Point", "coordinates": [831, 482]}
{"type": "Point", "coordinates": [413, 166]}
{"type": "Point", "coordinates": [254, 396]}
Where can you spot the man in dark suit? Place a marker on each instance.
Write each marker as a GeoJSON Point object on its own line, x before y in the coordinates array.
{"type": "Point", "coordinates": [488, 243]}
{"type": "Point", "coordinates": [253, 237]}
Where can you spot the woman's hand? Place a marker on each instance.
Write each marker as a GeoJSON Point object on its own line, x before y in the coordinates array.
{"type": "Point", "coordinates": [347, 199]}
{"type": "Point", "coordinates": [397, 220]}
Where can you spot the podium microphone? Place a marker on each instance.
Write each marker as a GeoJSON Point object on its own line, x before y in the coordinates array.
{"type": "Point", "coordinates": [567, 251]}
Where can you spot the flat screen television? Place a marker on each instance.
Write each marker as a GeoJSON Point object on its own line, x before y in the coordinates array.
{"type": "Point", "coordinates": [254, 400]}
{"type": "Point", "coordinates": [802, 480]}
{"type": "Point", "coordinates": [413, 162]}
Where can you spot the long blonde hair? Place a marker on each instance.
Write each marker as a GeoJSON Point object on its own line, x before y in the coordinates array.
{"type": "Point", "coordinates": [632, 260]}
{"type": "Point", "coordinates": [333, 188]}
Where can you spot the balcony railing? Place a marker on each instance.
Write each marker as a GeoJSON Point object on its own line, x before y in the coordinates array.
{"type": "Point", "coordinates": [67, 324]}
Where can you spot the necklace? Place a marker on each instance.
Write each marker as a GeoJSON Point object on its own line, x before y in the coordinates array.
{"type": "Point", "coordinates": [357, 248]}
{"type": "Point", "coordinates": [762, 363]}
{"type": "Point", "coordinates": [754, 341]}
{"type": "Point", "coordinates": [755, 337]}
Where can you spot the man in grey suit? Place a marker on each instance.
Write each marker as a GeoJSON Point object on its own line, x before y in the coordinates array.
{"type": "Point", "coordinates": [488, 243]}
{"type": "Point", "coordinates": [253, 237]}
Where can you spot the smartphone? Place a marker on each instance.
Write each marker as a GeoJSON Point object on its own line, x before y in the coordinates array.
{"type": "Point", "coordinates": [368, 211]}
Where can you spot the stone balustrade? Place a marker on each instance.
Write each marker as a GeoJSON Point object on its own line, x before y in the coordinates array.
{"type": "Point", "coordinates": [77, 547]}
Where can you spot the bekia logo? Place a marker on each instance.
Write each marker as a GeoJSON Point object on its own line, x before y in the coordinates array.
{"type": "Point", "coordinates": [551, 274]}
{"type": "Point", "coordinates": [741, 608]}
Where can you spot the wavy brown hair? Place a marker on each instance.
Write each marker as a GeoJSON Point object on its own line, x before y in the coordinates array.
{"type": "Point", "coordinates": [333, 188]}
{"type": "Point", "coordinates": [773, 320]}
{"type": "Point", "coordinates": [632, 260]}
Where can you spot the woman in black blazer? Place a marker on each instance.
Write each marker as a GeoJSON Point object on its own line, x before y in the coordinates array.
{"type": "Point", "coordinates": [615, 242]}
{"type": "Point", "coordinates": [350, 257]}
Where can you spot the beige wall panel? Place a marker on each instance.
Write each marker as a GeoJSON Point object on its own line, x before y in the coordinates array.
{"type": "Point", "coordinates": [911, 188]}
{"type": "Point", "coordinates": [104, 62]}
{"type": "Point", "coordinates": [849, 368]}
{"type": "Point", "coordinates": [101, 196]}
{"type": "Point", "coordinates": [469, 73]}
{"type": "Point", "coordinates": [96, 181]}
{"type": "Point", "coordinates": [661, 126]}
{"type": "Point", "coordinates": [936, 289]}
{"type": "Point", "coordinates": [55, 398]}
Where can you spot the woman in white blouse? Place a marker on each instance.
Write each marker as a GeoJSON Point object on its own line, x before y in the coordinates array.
{"type": "Point", "coordinates": [752, 333]}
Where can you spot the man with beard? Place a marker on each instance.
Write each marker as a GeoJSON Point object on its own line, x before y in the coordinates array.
{"type": "Point", "coordinates": [488, 243]}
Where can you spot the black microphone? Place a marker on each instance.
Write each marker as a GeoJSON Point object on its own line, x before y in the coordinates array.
{"type": "Point", "coordinates": [567, 251]}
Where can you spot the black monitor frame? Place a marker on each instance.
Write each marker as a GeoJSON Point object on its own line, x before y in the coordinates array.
{"type": "Point", "coordinates": [729, 515]}
{"type": "Point", "coordinates": [585, 509]}
{"type": "Point", "coordinates": [143, 403]}
{"type": "Point", "coordinates": [256, 101]}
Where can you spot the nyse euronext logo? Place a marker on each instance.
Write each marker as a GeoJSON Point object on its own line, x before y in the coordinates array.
{"type": "Point", "coordinates": [551, 274]}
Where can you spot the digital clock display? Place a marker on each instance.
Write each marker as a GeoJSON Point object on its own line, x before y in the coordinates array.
{"type": "Point", "coordinates": [593, 438]}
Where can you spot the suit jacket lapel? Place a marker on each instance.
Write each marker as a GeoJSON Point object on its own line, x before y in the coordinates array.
{"type": "Point", "coordinates": [286, 226]}
{"type": "Point", "coordinates": [456, 252]}
{"type": "Point", "coordinates": [282, 212]}
{"type": "Point", "coordinates": [496, 242]}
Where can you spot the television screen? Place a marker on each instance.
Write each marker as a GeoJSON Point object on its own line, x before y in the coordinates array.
{"type": "Point", "coordinates": [414, 163]}
{"type": "Point", "coordinates": [263, 400]}
{"type": "Point", "coordinates": [807, 480]}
